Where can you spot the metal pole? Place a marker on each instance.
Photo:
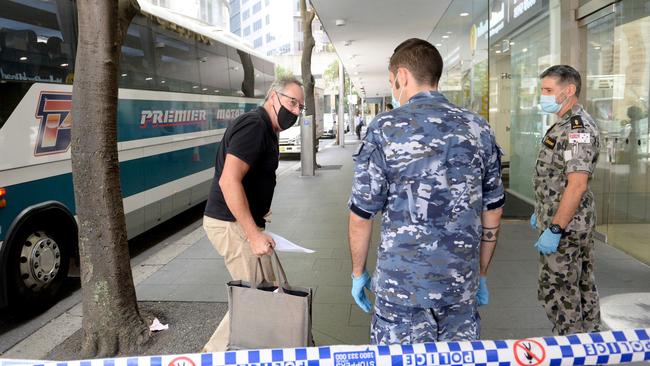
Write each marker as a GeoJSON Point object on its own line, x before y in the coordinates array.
{"type": "Point", "coordinates": [307, 146]}
{"type": "Point", "coordinates": [341, 105]}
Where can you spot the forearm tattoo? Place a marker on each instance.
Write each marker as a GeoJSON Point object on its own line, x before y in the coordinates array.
{"type": "Point", "coordinates": [490, 234]}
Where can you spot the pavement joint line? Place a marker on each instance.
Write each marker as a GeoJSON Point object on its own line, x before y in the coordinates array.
{"type": "Point", "coordinates": [40, 343]}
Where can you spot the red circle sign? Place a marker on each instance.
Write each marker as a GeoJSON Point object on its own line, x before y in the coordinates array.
{"type": "Point", "coordinates": [529, 352]}
{"type": "Point", "coordinates": [181, 361]}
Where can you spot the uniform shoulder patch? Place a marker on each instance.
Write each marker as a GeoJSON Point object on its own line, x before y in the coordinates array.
{"type": "Point", "coordinates": [576, 122]}
{"type": "Point", "coordinates": [549, 142]}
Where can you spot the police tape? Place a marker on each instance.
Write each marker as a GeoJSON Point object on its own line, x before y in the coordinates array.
{"type": "Point", "coordinates": [603, 348]}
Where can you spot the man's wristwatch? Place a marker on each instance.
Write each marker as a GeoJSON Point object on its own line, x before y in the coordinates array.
{"type": "Point", "coordinates": [556, 229]}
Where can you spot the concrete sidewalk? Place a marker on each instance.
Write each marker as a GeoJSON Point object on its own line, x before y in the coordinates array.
{"type": "Point", "coordinates": [313, 212]}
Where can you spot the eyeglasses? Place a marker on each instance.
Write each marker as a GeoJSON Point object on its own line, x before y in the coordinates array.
{"type": "Point", "coordinates": [293, 102]}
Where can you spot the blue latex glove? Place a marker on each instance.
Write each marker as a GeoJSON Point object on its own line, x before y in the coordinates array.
{"type": "Point", "coordinates": [358, 285]}
{"type": "Point", "coordinates": [483, 295]}
{"type": "Point", "coordinates": [533, 221]}
{"type": "Point", "coordinates": [548, 242]}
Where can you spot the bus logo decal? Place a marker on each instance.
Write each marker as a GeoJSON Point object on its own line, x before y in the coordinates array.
{"type": "Point", "coordinates": [55, 127]}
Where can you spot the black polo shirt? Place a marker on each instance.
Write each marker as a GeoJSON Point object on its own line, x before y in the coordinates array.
{"type": "Point", "coordinates": [250, 138]}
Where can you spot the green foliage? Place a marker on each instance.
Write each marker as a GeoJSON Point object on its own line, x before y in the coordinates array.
{"type": "Point", "coordinates": [282, 71]}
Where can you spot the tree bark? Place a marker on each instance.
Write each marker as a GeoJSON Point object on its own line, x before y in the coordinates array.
{"type": "Point", "coordinates": [111, 320]}
{"type": "Point", "coordinates": [307, 16]}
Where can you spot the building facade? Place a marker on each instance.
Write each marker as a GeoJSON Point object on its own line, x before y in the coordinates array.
{"type": "Point", "coordinates": [274, 27]}
{"type": "Point", "coordinates": [494, 52]}
{"type": "Point", "coordinates": [211, 12]}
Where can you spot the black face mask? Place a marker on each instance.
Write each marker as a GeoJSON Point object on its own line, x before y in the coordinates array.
{"type": "Point", "coordinates": [286, 119]}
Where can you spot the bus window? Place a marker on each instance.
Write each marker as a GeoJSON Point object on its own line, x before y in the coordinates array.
{"type": "Point", "coordinates": [213, 67]}
{"type": "Point", "coordinates": [136, 62]}
{"type": "Point", "coordinates": [262, 80]}
{"type": "Point", "coordinates": [37, 41]}
{"type": "Point", "coordinates": [236, 72]}
{"type": "Point", "coordinates": [176, 62]}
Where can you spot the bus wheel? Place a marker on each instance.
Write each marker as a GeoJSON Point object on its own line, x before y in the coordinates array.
{"type": "Point", "coordinates": [41, 259]}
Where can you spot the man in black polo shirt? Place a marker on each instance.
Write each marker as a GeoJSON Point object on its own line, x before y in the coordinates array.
{"type": "Point", "coordinates": [242, 189]}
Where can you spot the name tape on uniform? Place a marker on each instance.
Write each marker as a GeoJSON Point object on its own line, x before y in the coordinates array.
{"type": "Point", "coordinates": [603, 348]}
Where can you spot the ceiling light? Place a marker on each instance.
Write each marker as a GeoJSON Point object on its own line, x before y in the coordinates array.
{"type": "Point", "coordinates": [445, 36]}
{"type": "Point", "coordinates": [339, 22]}
{"type": "Point", "coordinates": [123, 75]}
{"type": "Point", "coordinates": [524, 50]}
{"type": "Point", "coordinates": [204, 89]}
{"type": "Point", "coordinates": [23, 58]}
{"type": "Point", "coordinates": [464, 14]}
{"type": "Point", "coordinates": [438, 44]}
{"type": "Point", "coordinates": [162, 81]}
{"type": "Point", "coordinates": [597, 47]}
{"type": "Point", "coordinates": [512, 43]}
{"type": "Point", "coordinates": [64, 65]}
{"type": "Point", "coordinates": [195, 86]}
{"type": "Point", "coordinates": [347, 43]}
{"type": "Point", "coordinates": [148, 78]}
{"type": "Point", "coordinates": [448, 32]}
{"type": "Point", "coordinates": [216, 91]}
{"type": "Point", "coordinates": [497, 52]}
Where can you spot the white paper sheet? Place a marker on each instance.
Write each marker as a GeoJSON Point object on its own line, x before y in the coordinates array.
{"type": "Point", "coordinates": [156, 326]}
{"type": "Point", "coordinates": [284, 245]}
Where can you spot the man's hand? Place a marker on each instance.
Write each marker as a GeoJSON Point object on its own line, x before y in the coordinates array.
{"type": "Point", "coordinates": [359, 284]}
{"type": "Point", "coordinates": [261, 244]}
{"type": "Point", "coordinates": [548, 242]}
{"type": "Point", "coordinates": [533, 221]}
{"type": "Point", "coordinates": [483, 295]}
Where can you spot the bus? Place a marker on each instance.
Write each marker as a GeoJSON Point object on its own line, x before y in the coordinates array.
{"type": "Point", "coordinates": [180, 84]}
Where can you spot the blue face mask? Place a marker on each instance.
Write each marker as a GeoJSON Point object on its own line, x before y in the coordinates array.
{"type": "Point", "coordinates": [549, 104]}
{"type": "Point", "coordinates": [396, 102]}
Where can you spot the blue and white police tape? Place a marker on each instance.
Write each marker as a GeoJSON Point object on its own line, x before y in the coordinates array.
{"type": "Point", "coordinates": [604, 348]}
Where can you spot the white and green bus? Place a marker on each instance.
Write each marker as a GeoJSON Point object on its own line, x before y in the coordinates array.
{"type": "Point", "coordinates": [181, 83]}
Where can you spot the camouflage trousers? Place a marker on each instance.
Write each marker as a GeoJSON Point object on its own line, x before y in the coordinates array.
{"type": "Point", "coordinates": [397, 324]}
{"type": "Point", "coordinates": [567, 286]}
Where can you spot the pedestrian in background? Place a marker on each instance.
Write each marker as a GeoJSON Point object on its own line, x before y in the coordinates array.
{"type": "Point", "coordinates": [242, 189]}
{"type": "Point", "coordinates": [433, 170]}
{"type": "Point", "coordinates": [565, 213]}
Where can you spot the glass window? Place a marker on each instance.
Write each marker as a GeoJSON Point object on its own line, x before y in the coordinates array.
{"type": "Point", "coordinates": [268, 19]}
{"type": "Point", "coordinates": [617, 89]}
{"type": "Point", "coordinates": [236, 72]}
{"type": "Point", "coordinates": [257, 25]}
{"type": "Point", "coordinates": [257, 7]}
{"type": "Point", "coordinates": [530, 55]}
{"type": "Point", "coordinates": [245, 14]}
{"type": "Point", "coordinates": [213, 67]}
{"type": "Point", "coordinates": [247, 31]}
{"type": "Point", "coordinates": [37, 41]}
{"type": "Point", "coordinates": [258, 42]}
{"type": "Point", "coordinates": [177, 66]}
{"type": "Point", "coordinates": [137, 60]}
{"type": "Point", "coordinates": [264, 76]}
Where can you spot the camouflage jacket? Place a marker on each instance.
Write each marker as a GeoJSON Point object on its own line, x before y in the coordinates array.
{"type": "Point", "coordinates": [432, 168]}
{"type": "Point", "coordinates": [571, 145]}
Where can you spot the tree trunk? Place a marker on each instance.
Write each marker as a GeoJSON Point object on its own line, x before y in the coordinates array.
{"type": "Point", "coordinates": [111, 320]}
{"type": "Point", "coordinates": [305, 63]}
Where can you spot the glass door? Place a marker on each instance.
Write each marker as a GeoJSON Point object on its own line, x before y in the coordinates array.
{"type": "Point", "coordinates": [617, 94]}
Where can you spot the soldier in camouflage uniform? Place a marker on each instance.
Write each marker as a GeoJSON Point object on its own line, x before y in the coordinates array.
{"type": "Point", "coordinates": [433, 169]}
{"type": "Point", "coordinates": [564, 206]}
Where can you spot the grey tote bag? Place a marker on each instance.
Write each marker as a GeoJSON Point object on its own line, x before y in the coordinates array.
{"type": "Point", "coordinates": [269, 315]}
